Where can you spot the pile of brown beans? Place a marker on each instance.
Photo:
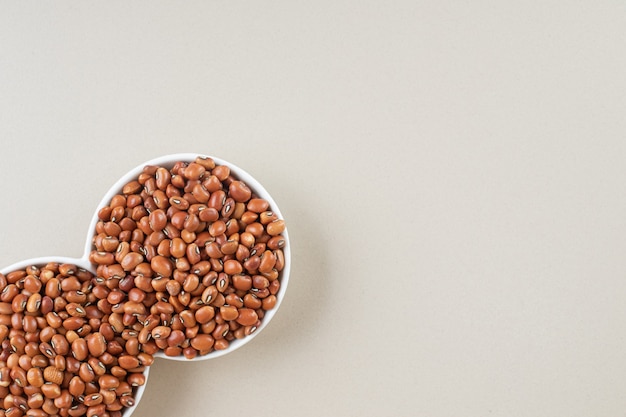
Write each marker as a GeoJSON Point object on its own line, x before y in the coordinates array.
{"type": "Point", "coordinates": [61, 353]}
{"type": "Point", "coordinates": [190, 256]}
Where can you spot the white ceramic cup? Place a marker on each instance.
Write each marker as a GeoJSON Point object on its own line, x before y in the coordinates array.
{"type": "Point", "coordinates": [168, 161]}
{"type": "Point", "coordinates": [81, 263]}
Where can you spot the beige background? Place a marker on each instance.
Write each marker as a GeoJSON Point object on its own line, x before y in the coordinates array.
{"type": "Point", "coordinates": [453, 175]}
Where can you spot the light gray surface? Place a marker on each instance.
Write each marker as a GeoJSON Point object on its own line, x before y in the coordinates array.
{"type": "Point", "coordinates": [452, 174]}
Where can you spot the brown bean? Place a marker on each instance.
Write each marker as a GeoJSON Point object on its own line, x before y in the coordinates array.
{"type": "Point", "coordinates": [223, 282]}
{"type": "Point", "coordinates": [111, 228]}
{"type": "Point", "coordinates": [269, 302]}
{"type": "Point", "coordinates": [132, 187]}
{"type": "Point", "coordinates": [60, 344]}
{"type": "Point", "coordinates": [46, 350]}
{"type": "Point", "coordinates": [32, 305]}
{"type": "Point", "coordinates": [179, 203]}
{"type": "Point", "coordinates": [163, 178]}
{"type": "Point", "coordinates": [276, 227]}
{"type": "Point", "coordinates": [276, 242]}
{"type": "Point", "coordinates": [35, 401]}
{"type": "Point", "coordinates": [220, 331]}
{"type": "Point", "coordinates": [191, 283]}
{"type": "Point", "coordinates": [217, 200]}
{"type": "Point", "coordinates": [102, 258]}
{"type": "Point", "coordinates": [204, 314]}
{"type": "Point", "coordinates": [34, 377]}
{"type": "Point", "coordinates": [32, 283]}
{"type": "Point", "coordinates": [248, 217]}
{"type": "Point", "coordinates": [217, 228]}
{"type": "Point", "coordinates": [221, 344]}
{"type": "Point", "coordinates": [4, 331]}
{"type": "Point", "coordinates": [6, 308]}
{"type": "Point", "coordinates": [98, 367]}
{"type": "Point", "coordinates": [242, 282]}
{"type": "Point", "coordinates": [260, 282]}
{"type": "Point", "coordinates": [163, 308]}
{"type": "Point", "coordinates": [175, 338]}
{"type": "Point", "coordinates": [136, 380]}
{"type": "Point", "coordinates": [194, 171]}
{"type": "Point", "coordinates": [173, 287]}
{"type": "Point", "coordinates": [234, 300]}
{"type": "Point", "coordinates": [136, 295]}
{"type": "Point", "coordinates": [192, 223]}
{"type": "Point", "coordinates": [209, 214]}
{"type": "Point", "coordinates": [86, 373]}
{"type": "Point", "coordinates": [268, 260]}
{"type": "Point", "coordinates": [157, 220]}
{"type": "Point", "coordinates": [257, 205]}
{"type": "Point", "coordinates": [19, 302]}
{"type": "Point", "coordinates": [132, 346]}
{"type": "Point", "coordinates": [188, 236]}
{"type": "Point", "coordinates": [267, 217]}
{"type": "Point", "coordinates": [93, 399]}
{"type": "Point", "coordinates": [218, 301]}
{"type": "Point", "coordinates": [247, 317]}
{"type": "Point", "coordinates": [128, 361]}
{"type": "Point", "coordinates": [188, 318]}
{"type": "Point", "coordinates": [108, 382]}
{"type": "Point", "coordinates": [239, 191]}
{"type": "Point", "coordinates": [160, 199]}
{"type": "Point", "coordinates": [162, 266]}
{"type": "Point", "coordinates": [79, 349]}
{"type": "Point", "coordinates": [212, 183]}
{"type": "Point", "coordinates": [145, 359]}
{"type": "Point", "coordinates": [161, 332]}
{"type": "Point", "coordinates": [131, 261]}
{"type": "Point", "coordinates": [77, 386]}
{"type": "Point", "coordinates": [128, 225]}
{"type": "Point", "coordinates": [178, 247]}
{"type": "Point", "coordinates": [222, 172]}
{"type": "Point", "coordinates": [251, 301]}
{"type": "Point", "coordinates": [232, 267]}
{"type": "Point", "coordinates": [256, 229]}
{"type": "Point", "coordinates": [280, 260]}
{"type": "Point", "coordinates": [54, 320]}
{"type": "Point", "coordinates": [213, 250]}
{"type": "Point", "coordinates": [247, 239]}
{"type": "Point", "coordinates": [98, 410]}
{"type": "Point", "coordinates": [229, 248]}
{"type": "Point", "coordinates": [75, 310]}
{"type": "Point", "coordinates": [190, 353]}
{"type": "Point", "coordinates": [229, 313]}
{"type": "Point", "coordinates": [50, 390]}
{"type": "Point", "coordinates": [73, 323]}
{"type": "Point", "coordinates": [164, 248]}
{"type": "Point", "coordinates": [193, 253]}
{"type": "Point", "coordinates": [29, 324]}
{"type": "Point", "coordinates": [54, 375]}
{"type": "Point", "coordinates": [96, 344]}
{"type": "Point", "coordinates": [202, 342]}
